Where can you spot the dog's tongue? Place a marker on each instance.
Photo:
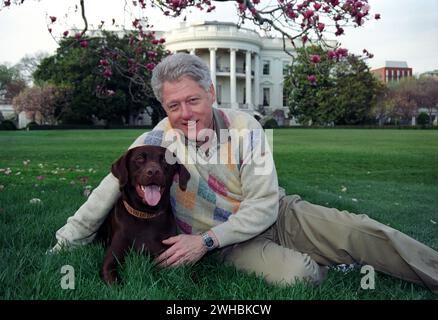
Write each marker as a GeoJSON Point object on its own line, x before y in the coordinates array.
{"type": "Point", "coordinates": [152, 195]}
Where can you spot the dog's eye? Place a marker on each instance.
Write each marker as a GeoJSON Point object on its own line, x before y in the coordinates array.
{"type": "Point", "coordinates": [140, 160]}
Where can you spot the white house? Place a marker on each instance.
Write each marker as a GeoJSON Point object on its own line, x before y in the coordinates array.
{"type": "Point", "coordinates": [246, 68]}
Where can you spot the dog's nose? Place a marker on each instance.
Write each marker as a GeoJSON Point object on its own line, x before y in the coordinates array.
{"type": "Point", "coordinates": [150, 172]}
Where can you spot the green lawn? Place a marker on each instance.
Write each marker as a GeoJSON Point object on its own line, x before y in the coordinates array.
{"type": "Point", "coordinates": [391, 175]}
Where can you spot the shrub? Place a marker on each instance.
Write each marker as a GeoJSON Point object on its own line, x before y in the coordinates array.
{"type": "Point", "coordinates": [270, 124]}
{"type": "Point", "coordinates": [423, 119]}
{"type": "Point", "coordinates": [7, 125]}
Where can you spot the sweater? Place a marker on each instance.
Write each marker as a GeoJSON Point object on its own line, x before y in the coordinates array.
{"type": "Point", "coordinates": [233, 187]}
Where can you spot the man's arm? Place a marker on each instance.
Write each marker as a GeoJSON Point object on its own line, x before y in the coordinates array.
{"type": "Point", "coordinates": [259, 208]}
{"type": "Point", "coordinates": [81, 228]}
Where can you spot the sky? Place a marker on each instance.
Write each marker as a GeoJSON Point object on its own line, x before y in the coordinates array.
{"type": "Point", "coordinates": [407, 31]}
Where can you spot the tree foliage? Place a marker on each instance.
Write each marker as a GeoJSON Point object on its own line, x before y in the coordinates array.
{"type": "Point", "coordinates": [43, 104]}
{"type": "Point", "coordinates": [330, 87]}
{"type": "Point", "coordinates": [407, 96]}
{"type": "Point", "coordinates": [106, 84]}
{"type": "Point", "coordinates": [11, 82]}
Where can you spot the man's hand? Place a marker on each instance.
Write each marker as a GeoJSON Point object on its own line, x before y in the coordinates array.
{"type": "Point", "coordinates": [185, 249]}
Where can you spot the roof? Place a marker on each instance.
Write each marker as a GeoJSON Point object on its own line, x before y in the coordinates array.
{"type": "Point", "coordinates": [396, 64]}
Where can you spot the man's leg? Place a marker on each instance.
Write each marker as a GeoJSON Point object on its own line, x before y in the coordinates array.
{"type": "Point", "coordinates": [331, 236]}
{"type": "Point", "coordinates": [275, 263]}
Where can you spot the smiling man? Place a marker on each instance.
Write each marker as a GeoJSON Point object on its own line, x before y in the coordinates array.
{"type": "Point", "coordinates": [240, 212]}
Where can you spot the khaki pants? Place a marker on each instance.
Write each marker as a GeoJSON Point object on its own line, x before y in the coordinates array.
{"type": "Point", "coordinates": [308, 237]}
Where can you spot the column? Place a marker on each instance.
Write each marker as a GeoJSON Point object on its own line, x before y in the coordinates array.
{"type": "Point", "coordinates": [233, 91]}
{"type": "Point", "coordinates": [213, 66]}
{"type": "Point", "coordinates": [248, 93]}
{"type": "Point", "coordinates": [256, 80]}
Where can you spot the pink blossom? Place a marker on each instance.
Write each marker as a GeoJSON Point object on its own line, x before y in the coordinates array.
{"type": "Point", "coordinates": [321, 26]}
{"type": "Point", "coordinates": [317, 6]}
{"type": "Point", "coordinates": [84, 44]}
{"type": "Point", "coordinates": [309, 13]}
{"type": "Point", "coordinates": [339, 31]}
{"type": "Point", "coordinates": [40, 178]}
{"type": "Point", "coordinates": [342, 52]}
{"type": "Point", "coordinates": [150, 66]}
{"type": "Point", "coordinates": [7, 3]}
{"type": "Point", "coordinates": [107, 73]}
{"type": "Point", "coordinates": [83, 180]}
{"type": "Point", "coordinates": [311, 78]}
{"type": "Point", "coordinates": [152, 54]}
{"type": "Point", "coordinates": [52, 18]}
{"type": "Point", "coordinates": [331, 55]}
{"type": "Point", "coordinates": [65, 34]}
{"type": "Point", "coordinates": [103, 62]}
{"type": "Point", "coordinates": [315, 58]}
{"type": "Point", "coordinates": [78, 36]}
{"type": "Point", "coordinates": [377, 16]}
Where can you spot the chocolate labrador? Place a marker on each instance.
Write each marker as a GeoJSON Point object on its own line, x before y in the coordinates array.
{"type": "Point", "coordinates": [142, 217]}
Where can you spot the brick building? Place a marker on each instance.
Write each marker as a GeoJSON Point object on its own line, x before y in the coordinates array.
{"type": "Point", "coordinates": [393, 71]}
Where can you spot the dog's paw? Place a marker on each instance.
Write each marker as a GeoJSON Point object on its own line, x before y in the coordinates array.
{"type": "Point", "coordinates": [111, 278]}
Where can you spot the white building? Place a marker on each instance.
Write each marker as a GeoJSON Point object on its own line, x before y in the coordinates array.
{"type": "Point", "coordinates": [246, 68]}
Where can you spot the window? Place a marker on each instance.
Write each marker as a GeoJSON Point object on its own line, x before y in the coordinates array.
{"type": "Point", "coordinates": [266, 97]}
{"type": "Point", "coordinates": [266, 67]}
{"type": "Point", "coordinates": [285, 67]}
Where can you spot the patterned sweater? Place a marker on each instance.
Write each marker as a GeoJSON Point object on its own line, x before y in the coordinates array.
{"type": "Point", "coordinates": [233, 188]}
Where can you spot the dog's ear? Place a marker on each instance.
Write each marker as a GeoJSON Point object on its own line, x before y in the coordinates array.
{"type": "Point", "coordinates": [120, 169]}
{"type": "Point", "coordinates": [184, 176]}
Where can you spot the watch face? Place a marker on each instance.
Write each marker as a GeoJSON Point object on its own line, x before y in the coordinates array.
{"type": "Point", "coordinates": [209, 242]}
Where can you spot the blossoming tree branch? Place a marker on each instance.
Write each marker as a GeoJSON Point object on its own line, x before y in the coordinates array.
{"type": "Point", "coordinates": [297, 22]}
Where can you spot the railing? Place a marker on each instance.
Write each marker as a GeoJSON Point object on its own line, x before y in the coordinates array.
{"type": "Point", "coordinates": [238, 70]}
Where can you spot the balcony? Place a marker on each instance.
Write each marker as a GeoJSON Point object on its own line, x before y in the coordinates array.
{"type": "Point", "coordinates": [225, 71]}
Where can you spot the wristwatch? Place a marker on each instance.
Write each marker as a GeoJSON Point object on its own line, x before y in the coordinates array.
{"type": "Point", "coordinates": [208, 241]}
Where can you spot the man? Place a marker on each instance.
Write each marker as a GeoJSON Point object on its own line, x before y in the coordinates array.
{"type": "Point", "coordinates": [237, 209]}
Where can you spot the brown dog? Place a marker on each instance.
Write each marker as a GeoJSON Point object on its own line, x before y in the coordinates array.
{"type": "Point", "coordinates": [142, 217]}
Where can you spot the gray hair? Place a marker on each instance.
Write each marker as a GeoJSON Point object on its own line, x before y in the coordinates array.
{"type": "Point", "coordinates": [178, 65]}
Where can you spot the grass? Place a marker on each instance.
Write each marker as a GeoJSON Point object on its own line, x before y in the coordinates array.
{"type": "Point", "coordinates": [391, 175]}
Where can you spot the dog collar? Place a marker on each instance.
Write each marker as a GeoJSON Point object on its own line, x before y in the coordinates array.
{"type": "Point", "coordinates": [140, 214]}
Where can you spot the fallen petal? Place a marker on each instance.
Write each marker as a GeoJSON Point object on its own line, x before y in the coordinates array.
{"type": "Point", "coordinates": [35, 201]}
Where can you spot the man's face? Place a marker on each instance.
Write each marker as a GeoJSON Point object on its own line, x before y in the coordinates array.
{"type": "Point", "coordinates": [188, 105]}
